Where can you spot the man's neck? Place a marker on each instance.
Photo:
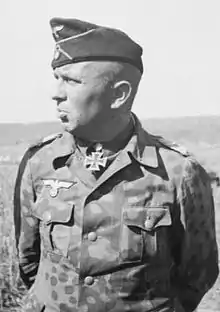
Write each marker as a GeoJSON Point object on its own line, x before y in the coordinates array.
{"type": "Point", "coordinates": [113, 145]}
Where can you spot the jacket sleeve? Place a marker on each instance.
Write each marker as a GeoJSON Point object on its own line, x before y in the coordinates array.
{"type": "Point", "coordinates": [26, 225]}
{"type": "Point", "coordinates": [197, 261]}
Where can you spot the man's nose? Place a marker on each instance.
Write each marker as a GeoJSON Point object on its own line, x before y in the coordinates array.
{"type": "Point", "coordinates": [59, 92]}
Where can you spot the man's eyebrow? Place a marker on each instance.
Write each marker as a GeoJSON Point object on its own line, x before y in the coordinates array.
{"type": "Point", "coordinates": [73, 77]}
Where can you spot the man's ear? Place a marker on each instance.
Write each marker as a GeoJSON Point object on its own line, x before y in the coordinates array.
{"type": "Point", "coordinates": [122, 93]}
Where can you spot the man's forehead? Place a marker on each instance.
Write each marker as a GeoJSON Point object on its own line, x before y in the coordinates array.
{"type": "Point", "coordinates": [71, 68]}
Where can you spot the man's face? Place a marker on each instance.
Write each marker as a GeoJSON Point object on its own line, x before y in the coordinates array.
{"type": "Point", "coordinates": [83, 97]}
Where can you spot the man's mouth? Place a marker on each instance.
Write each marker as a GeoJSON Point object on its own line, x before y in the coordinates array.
{"type": "Point", "coordinates": [63, 116]}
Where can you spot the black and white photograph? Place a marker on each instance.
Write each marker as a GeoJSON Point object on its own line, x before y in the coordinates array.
{"type": "Point", "coordinates": [110, 156]}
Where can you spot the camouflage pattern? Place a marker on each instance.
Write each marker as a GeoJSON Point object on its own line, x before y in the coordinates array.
{"type": "Point", "coordinates": [141, 237]}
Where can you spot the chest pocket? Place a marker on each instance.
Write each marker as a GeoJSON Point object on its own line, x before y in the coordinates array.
{"type": "Point", "coordinates": [144, 234]}
{"type": "Point", "coordinates": [56, 218]}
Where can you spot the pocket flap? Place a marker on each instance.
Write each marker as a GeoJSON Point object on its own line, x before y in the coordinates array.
{"type": "Point", "coordinates": [53, 211]}
{"type": "Point", "coordinates": [147, 218]}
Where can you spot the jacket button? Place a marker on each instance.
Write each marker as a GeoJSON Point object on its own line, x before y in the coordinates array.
{"type": "Point", "coordinates": [89, 280]}
{"type": "Point", "coordinates": [92, 236]}
{"type": "Point", "coordinates": [46, 216]}
{"type": "Point", "coordinates": [148, 224]}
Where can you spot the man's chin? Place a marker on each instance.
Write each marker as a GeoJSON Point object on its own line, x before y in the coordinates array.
{"type": "Point", "coordinates": [75, 129]}
{"type": "Point", "coordinates": [68, 127]}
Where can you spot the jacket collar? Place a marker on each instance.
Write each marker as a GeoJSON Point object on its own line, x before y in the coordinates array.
{"type": "Point", "coordinates": [142, 146]}
{"type": "Point", "coordinates": [63, 146]}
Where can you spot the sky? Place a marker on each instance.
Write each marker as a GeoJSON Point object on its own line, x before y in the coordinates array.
{"type": "Point", "coordinates": [180, 39]}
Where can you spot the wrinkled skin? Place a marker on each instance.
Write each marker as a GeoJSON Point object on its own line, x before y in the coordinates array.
{"type": "Point", "coordinates": [141, 237]}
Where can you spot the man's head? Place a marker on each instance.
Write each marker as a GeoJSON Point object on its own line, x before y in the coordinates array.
{"type": "Point", "coordinates": [96, 80]}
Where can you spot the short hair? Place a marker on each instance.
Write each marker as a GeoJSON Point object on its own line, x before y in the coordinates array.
{"type": "Point", "coordinates": [112, 72]}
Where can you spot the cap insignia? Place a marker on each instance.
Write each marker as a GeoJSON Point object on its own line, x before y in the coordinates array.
{"type": "Point", "coordinates": [56, 29]}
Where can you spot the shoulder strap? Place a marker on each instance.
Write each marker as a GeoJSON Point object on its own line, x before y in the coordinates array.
{"type": "Point", "coordinates": [174, 146]}
{"type": "Point", "coordinates": [45, 140]}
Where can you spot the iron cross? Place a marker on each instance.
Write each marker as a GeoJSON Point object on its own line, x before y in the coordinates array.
{"type": "Point", "coordinates": [95, 160]}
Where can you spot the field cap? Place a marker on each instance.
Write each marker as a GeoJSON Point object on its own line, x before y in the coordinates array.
{"type": "Point", "coordinates": [79, 41]}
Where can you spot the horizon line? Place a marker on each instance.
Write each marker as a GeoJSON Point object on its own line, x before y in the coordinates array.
{"type": "Point", "coordinates": [142, 119]}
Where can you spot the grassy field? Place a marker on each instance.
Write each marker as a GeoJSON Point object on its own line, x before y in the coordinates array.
{"type": "Point", "coordinates": [11, 288]}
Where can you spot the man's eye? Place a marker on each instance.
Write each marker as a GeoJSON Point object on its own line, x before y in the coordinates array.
{"type": "Point", "coordinates": [70, 80]}
{"type": "Point", "coordinates": [67, 79]}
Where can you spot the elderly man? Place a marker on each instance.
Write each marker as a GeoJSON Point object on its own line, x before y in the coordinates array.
{"type": "Point", "coordinates": [109, 217]}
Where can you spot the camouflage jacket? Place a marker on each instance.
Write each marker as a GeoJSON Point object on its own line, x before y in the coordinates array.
{"type": "Point", "coordinates": [141, 237]}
